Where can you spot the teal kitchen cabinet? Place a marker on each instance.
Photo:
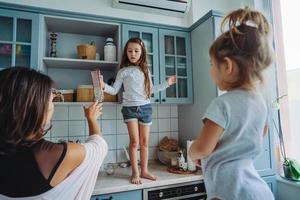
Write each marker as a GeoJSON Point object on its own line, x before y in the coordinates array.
{"type": "Point", "coordinates": [175, 59]}
{"type": "Point", "coordinates": [67, 69]}
{"type": "Point", "coordinates": [271, 181]}
{"type": "Point", "coordinates": [189, 121]}
{"type": "Point", "coordinates": [149, 36]}
{"type": "Point", "coordinates": [19, 33]}
{"type": "Point", "coordinates": [136, 195]}
{"type": "Point", "coordinates": [168, 54]}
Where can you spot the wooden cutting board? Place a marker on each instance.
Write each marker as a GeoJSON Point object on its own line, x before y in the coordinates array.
{"type": "Point", "coordinates": [177, 170]}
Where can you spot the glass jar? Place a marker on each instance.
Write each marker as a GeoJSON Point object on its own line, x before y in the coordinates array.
{"type": "Point", "coordinates": [110, 50]}
{"type": "Point", "coordinates": [109, 168]}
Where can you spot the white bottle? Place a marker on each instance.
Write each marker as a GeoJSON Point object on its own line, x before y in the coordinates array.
{"type": "Point", "coordinates": [110, 53]}
{"type": "Point", "coordinates": [180, 159]}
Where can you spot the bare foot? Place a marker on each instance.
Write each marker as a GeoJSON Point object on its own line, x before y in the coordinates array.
{"type": "Point", "coordinates": [135, 179]}
{"type": "Point", "coordinates": [147, 175]}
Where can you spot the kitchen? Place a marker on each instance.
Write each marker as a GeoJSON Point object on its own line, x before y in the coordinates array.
{"type": "Point", "coordinates": [193, 28]}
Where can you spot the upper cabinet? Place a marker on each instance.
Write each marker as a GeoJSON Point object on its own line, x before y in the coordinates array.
{"type": "Point", "coordinates": [66, 67]}
{"type": "Point", "coordinates": [168, 54]}
{"type": "Point", "coordinates": [175, 59]}
{"type": "Point", "coordinates": [19, 33]}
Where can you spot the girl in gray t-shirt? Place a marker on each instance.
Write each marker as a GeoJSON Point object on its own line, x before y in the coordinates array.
{"type": "Point", "coordinates": [235, 122]}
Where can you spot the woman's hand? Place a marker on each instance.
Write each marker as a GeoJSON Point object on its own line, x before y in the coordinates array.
{"type": "Point", "coordinates": [171, 80]}
{"type": "Point", "coordinates": [93, 111]}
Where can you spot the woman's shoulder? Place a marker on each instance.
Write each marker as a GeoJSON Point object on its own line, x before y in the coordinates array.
{"type": "Point", "coordinates": [74, 152]}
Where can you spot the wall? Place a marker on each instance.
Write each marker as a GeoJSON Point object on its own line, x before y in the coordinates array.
{"type": "Point", "coordinates": [294, 109]}
{"type": "Point", "coordinates": [104, 8]}
{"type": "Point", "coordinates": [69, 124]}
{"type": "Point", "coordinates": [201, 7]}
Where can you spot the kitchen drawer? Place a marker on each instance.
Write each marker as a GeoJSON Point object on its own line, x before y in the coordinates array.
{"type": "Point", "coordinates": [134, 195]}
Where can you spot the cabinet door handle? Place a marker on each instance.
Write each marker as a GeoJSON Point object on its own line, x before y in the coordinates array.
{"type": "Point", "coordinates": [156, 100]}
{"type": "Point", "coordinates": [164, 100]}
{"type": "Point", "coordinates": [109, 198]}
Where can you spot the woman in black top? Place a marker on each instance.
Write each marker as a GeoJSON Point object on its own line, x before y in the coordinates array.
{"type": "Point", "coordinates": [31, 165]}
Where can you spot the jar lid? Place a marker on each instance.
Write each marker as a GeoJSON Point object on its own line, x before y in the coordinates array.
{"type": "Point", "coordinates": [109, 39]}
{"type": "Point", "coordinates": [85, 86]}
{"type": "Point", "coordinates": [66, 91]}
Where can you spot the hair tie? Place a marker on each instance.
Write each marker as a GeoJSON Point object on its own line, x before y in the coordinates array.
{"type": "Point", "coordinates": [251, 23]}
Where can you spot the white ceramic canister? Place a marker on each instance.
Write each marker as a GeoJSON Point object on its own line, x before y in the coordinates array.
{"type": "Point", "coordinates": [110, 52]}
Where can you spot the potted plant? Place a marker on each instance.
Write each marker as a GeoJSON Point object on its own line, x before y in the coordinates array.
{"type": "Point", "coordinates": [291, 169]}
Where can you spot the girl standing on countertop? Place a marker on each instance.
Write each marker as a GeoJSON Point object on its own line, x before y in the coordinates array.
{"type": "Point", "coordinates": [235, 122]}
{"type": "Point", "coordinates": [137, 111]}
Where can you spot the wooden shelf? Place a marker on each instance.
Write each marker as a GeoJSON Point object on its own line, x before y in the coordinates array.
{"type": "Point", "coordinates": [71, 63]}
{"type": "Point", "coordinates": [82, 103]}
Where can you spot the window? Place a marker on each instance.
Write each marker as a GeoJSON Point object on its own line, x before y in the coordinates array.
{"type": "Point", "coordinates": [287, 40]}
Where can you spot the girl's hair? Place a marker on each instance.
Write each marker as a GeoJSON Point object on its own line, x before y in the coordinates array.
{"type": "Point", "coordinates": [24, 99]}
{"type": "Point", "coordinates": [142, 63]}
{"type": "Point", "coordinates": [247, 42]}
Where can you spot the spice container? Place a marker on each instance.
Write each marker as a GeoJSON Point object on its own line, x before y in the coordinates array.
{"type": "Point", "coordinates": [63, 95]}
{"type": "Point", "coordinates": [85, 93]}
{"type": "Point", "coordinates": [68, 95]}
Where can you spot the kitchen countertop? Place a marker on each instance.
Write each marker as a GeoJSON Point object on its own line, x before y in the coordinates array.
{"type": "Point", "coordinates": [119, 181]}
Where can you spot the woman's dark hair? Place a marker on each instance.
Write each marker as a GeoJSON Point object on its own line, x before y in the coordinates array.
{"type": "Point", "coordinates": [247, 42]}
{"type": "Point", "coordinates": [24, 98]}
{"type": "Point", "coordinates": [142, 63]}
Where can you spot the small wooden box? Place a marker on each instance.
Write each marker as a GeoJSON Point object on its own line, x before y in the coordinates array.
{"type": "Point", "coordinates": [86, 51]}
{"type": "Point", "coordinates": [85, 93]}
{"type": "Point", "coordinates": [110, 98]}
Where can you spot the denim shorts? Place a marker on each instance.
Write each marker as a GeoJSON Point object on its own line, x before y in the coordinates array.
{"type": "Point", "coordinates": [142, 114]}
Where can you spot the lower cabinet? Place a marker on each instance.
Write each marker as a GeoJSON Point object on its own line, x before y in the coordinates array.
{"type": "Point", "coordinates": [271, 181]}
{"type": "Point", "coordinates": [131, 195]}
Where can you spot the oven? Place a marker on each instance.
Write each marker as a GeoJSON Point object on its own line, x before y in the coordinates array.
{"type": "Point", "coordinates": [187, 191]}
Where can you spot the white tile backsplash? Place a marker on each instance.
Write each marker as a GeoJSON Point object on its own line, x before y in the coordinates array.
{"type": "Point", "coordinates": [154, 126]}
{"type": "Point", "coordinates": [174, 124]}
{"type": "Point", "coordinates": [76, 113]}
{"type": "Point", "coordinates": [119, 113]}
{"type": "Point", "coordinates": [153, 139]}
{"type": "Point", "coordinates": [61, 113]}
{"type": "Point", "coordinates": [122, 140]}
{"type": "Point", "coordinates": [109, 111]}
{"type": "Point", "coordinates": [174, 135]}
{"type": "Point", "coordinates": [111, 157]}
{"type": "Point", "coordinates": [152, 153]}
{"type": "Point", "coordinates": [161, 135]}
{"type": "Point", "coordinates": [69, 123]}
{"type": "Point", "coordinates": [60, 128]}
{"type": "Point", "coordinates": [121, 127]}
{"type": "Point", "coordinates": [111, 141]}
{"type": "Point", "coordinates": [164, 111]}
{"type": "Point", "coordinates": [76, 128]}
{"type": "Point", "coordinates": [174, 111]}
{"type": "Point", "coordinates": [164, 125]}
{"type": "Point", "coordinates": [121, 157]}
{"type": "Point", "coordinates": [154, 111]}
{"type": "Point", "coordinates": [109, 126]}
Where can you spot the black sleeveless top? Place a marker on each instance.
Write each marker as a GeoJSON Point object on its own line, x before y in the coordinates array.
{"type": "Point", "coordinates": [20, 175]}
